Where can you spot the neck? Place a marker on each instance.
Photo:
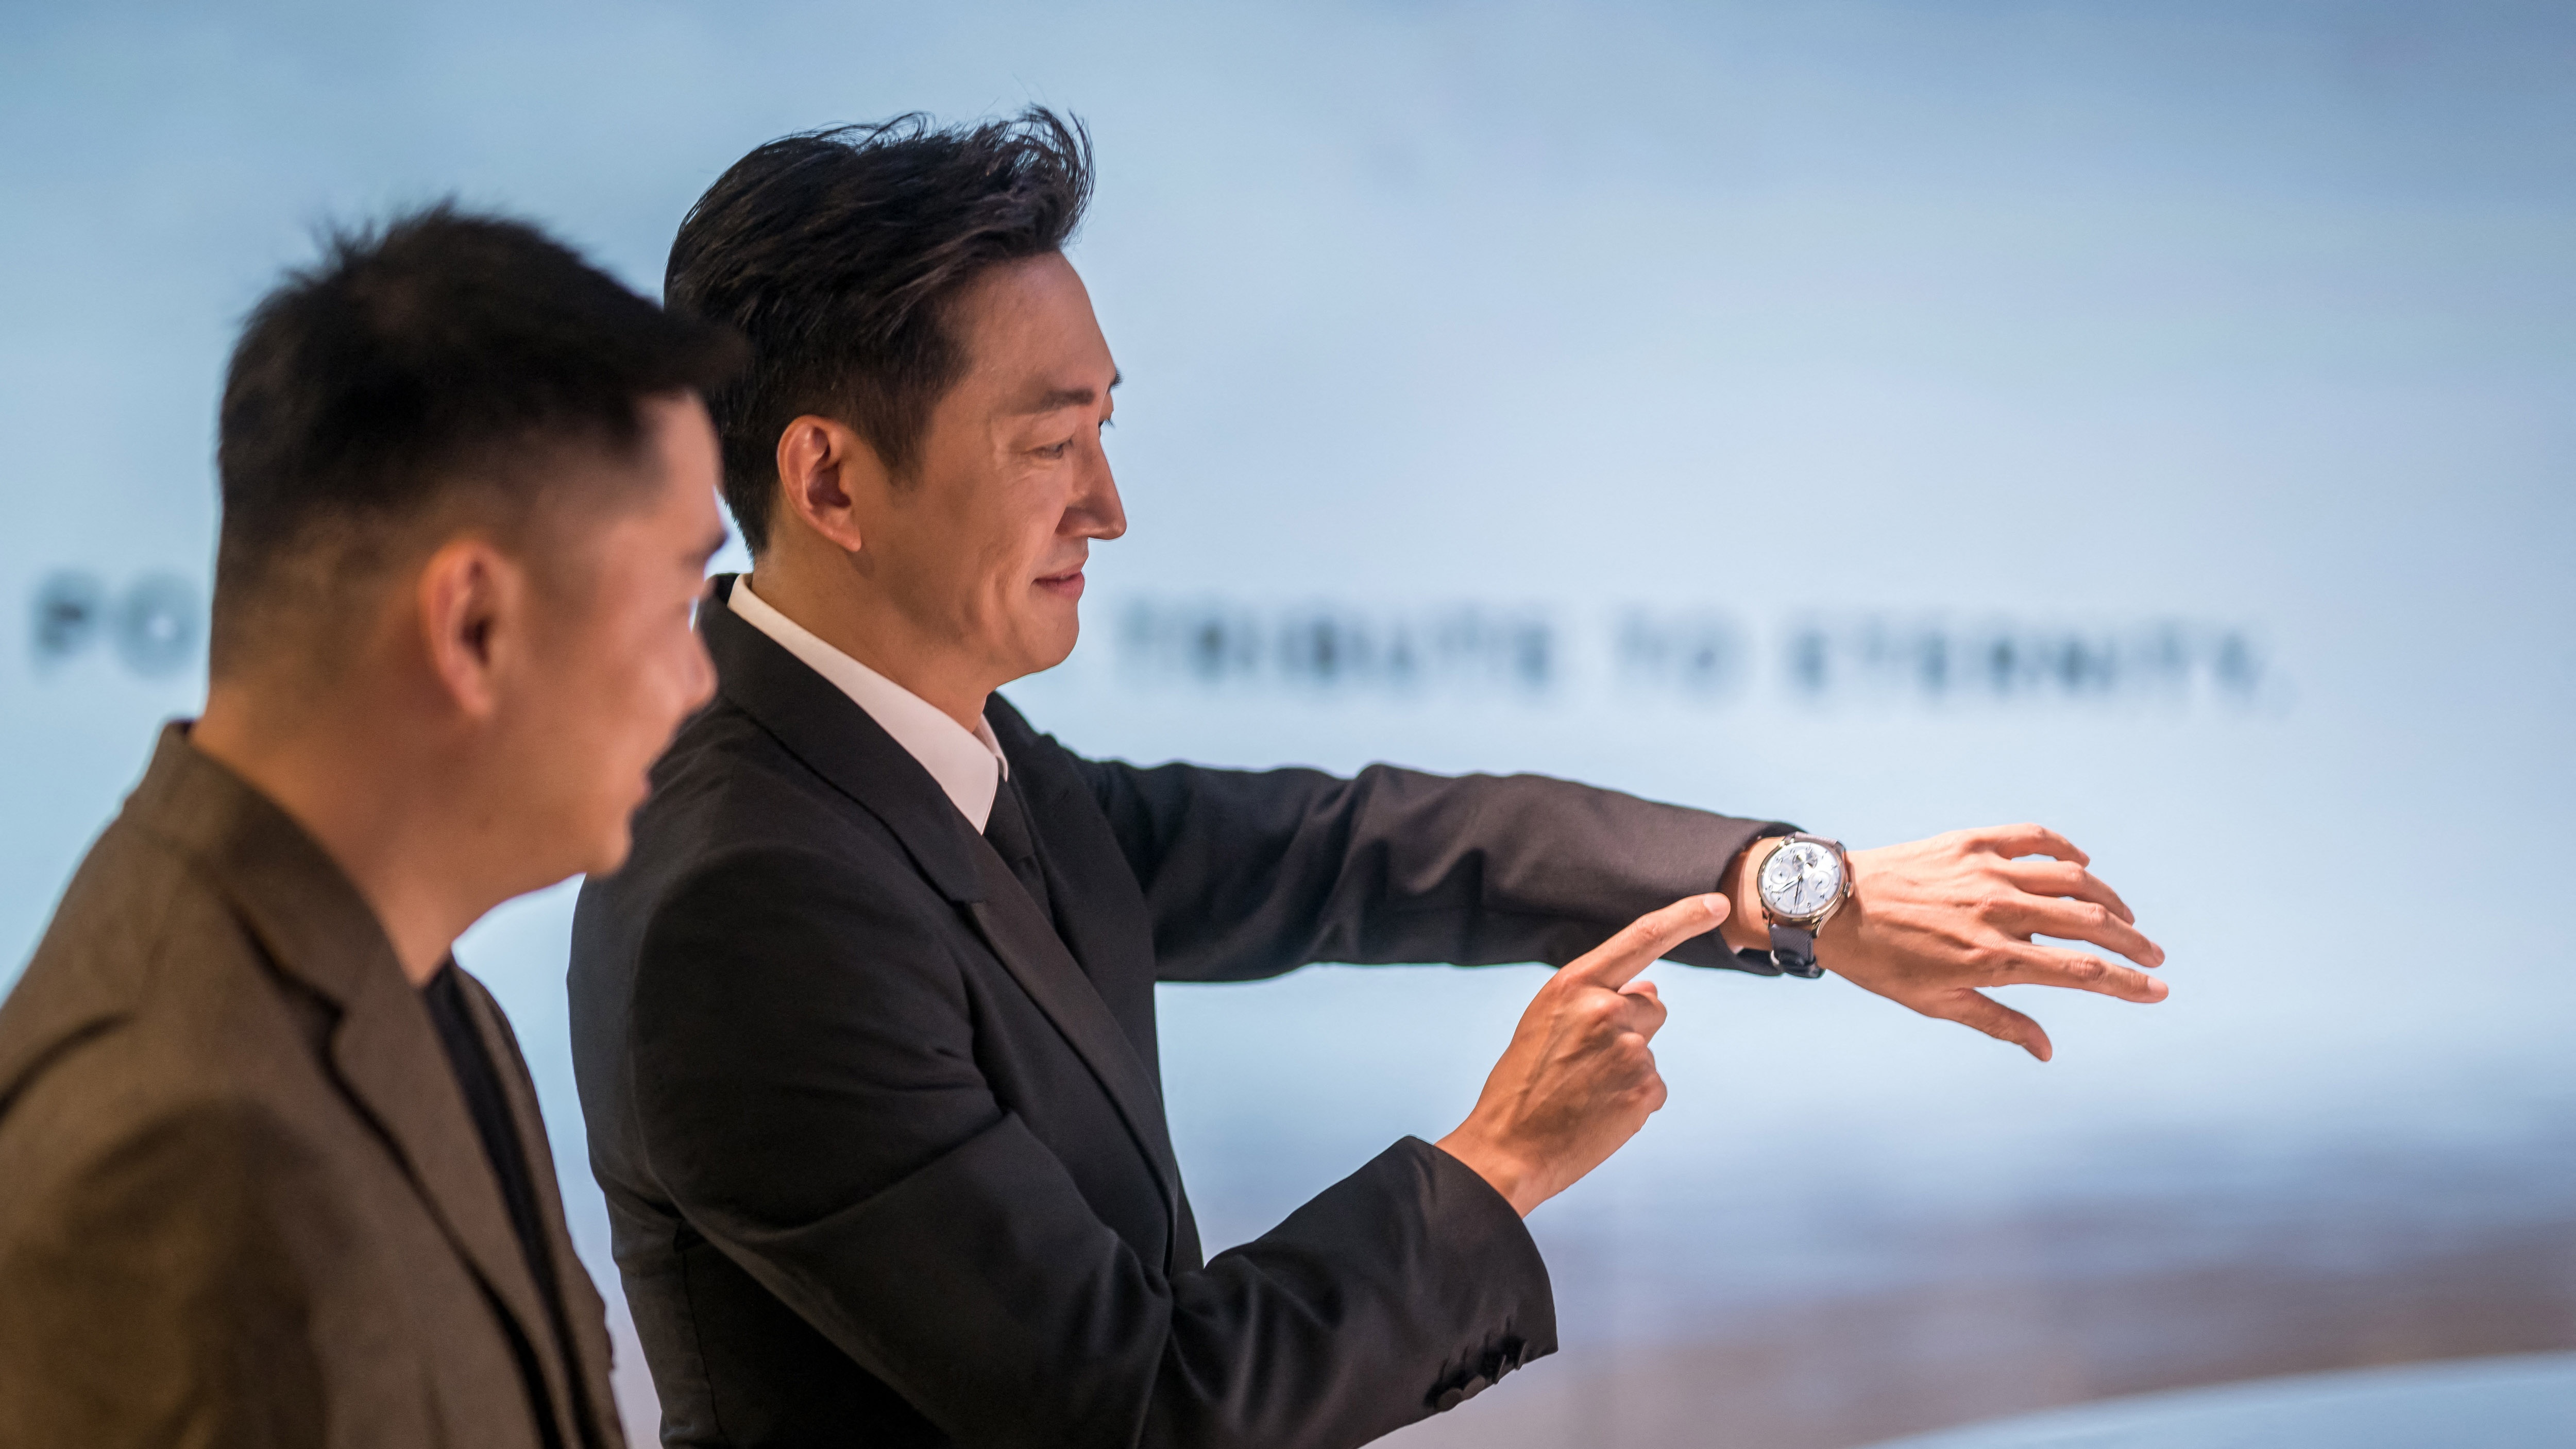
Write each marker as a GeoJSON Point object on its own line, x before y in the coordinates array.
{"type": "Point", "coordinates": [376, 807]}
{"type": "Point", "coordinates": [840, 608]}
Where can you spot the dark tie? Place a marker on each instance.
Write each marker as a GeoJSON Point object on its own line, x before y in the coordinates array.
{"type": "Point", "coordinates": [1008, 830]}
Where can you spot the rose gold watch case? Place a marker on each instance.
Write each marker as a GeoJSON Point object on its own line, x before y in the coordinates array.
{"type": "Point", "coordinates": [1814, 922]}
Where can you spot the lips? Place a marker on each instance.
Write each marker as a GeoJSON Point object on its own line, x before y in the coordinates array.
{"type": "Point", "coordinates": [1064, 583]}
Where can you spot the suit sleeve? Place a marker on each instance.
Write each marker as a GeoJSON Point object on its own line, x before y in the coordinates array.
{"type": "Point", "coordinates": [148, 1295]}
{"type": "Point", "coordinates": [1252, 873]}
{"type": "Point", "coordinates": [808, 1083]}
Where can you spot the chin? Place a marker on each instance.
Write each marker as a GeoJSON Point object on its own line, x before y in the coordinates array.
{"type": "Point", "coordinates": [1047, 644]}
{"type": "Point", "coordinates": [1044, 659]}
{"type": "Point", "coordinates": [1066, 633]}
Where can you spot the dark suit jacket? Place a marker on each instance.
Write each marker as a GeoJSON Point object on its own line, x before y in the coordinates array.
{"type": "Point", "coordinates": [884, 1147]}
{"type": "Point", "coordinates": [241, 1200]}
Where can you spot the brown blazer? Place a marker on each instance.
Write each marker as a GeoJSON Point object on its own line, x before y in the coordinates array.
{"type": "Point", "coordinates": [241, 1199]}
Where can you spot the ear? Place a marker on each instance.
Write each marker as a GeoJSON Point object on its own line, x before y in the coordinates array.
{"type": "Point", "coordinates": [826, 473]}
{"type": "Point", "coordinates": [474, 620]}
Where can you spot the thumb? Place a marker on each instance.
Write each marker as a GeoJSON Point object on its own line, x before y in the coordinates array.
{"type": "Point", "coordinates": [1642, 940]}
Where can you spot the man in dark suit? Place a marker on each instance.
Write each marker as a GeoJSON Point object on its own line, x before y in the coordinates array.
{"type": "Point", "coordinates": [865, 1029]}
{"type": "Point", "coordinates": [271, 1170]}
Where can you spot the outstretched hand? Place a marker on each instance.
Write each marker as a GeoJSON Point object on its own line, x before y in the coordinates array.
{"type": "Point", "coordinates": [1578, 1079]}
{"type": "Point", "coordinates": [1931, 922]}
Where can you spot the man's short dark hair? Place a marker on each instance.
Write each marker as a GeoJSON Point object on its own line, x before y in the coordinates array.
{"type": "Point", "coordinates": [445, 356]}
{"type": "Point", "coordinates": [837, 252]}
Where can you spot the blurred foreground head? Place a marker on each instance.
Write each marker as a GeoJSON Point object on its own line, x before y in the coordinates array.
{"type": "Point", "coordinates": [467, 488]}
{"type": "Point", "coordinates": [915, 444]}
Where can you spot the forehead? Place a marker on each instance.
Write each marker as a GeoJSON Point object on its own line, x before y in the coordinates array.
{"type": "Point", "coordinates": [646, 498]}
{"type": "Point", "coordinates": [1029, 323]}
{"type": "Point", "coordinates": [687, 464]}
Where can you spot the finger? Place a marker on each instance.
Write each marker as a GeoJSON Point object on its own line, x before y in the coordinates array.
{"type": "Point", "coordinates": [1995, 1019]}
{"type": "Point", "coordinates": [2066, 878]}
{"type": "Point", "coordinates": [2028, 916]}
{"type": "Point", "coordinates": [2016, 840]}
{"type": "Point", "coordinates": [2056, 966]}
{"type": "Point", "coordinates": [1642, 1012]}
{"type": "Point", "coordinates": [1642, 940]}
{"type": "Point", "coordinates": [1630, 1017]}
{"type": "Point", "coordinates": [1655, 1092]}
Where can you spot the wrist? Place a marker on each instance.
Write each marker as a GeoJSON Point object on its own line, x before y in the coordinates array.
{"type": "Point", "coordinates": [1504, 1172]}
{"type": "Point", "coordinates": [1747, 926]}
{"type": "Point", "coordinates": [1834, 937]}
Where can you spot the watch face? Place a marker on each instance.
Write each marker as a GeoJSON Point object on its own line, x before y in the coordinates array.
{"type": "Point", "coordinates": [1800, 879]}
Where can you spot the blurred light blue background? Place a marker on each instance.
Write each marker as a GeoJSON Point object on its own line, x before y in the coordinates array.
{"type": "Point", "coordinates": [2149, 420]}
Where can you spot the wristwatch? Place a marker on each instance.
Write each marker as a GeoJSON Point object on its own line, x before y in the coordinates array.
{"type": "Point", "coordinates": [1802, 883]}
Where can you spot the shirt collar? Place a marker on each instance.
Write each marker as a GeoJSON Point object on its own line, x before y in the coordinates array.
{"type": "Point", "coordinates": [968, 764]}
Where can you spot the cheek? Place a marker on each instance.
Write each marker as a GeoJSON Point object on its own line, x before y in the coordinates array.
{"type": "Point", "coordinates": [1020, 560]}
{"type": "Point", "coordinates": [987, 581]}
{"type": "Point", "coordinates": [1025, 529]}
{"type": "Point", "coordinates": [630, 690]}
{"type": "Point", "coordinates": [658, 689]}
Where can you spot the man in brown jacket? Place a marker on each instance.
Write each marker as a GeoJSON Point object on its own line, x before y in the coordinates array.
{"type": "Point", "coordinates": [271, 1169]}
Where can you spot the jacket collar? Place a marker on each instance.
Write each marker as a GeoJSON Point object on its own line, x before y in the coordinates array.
{"type": "Point", "coordinates": [319, 931]}
{"type": "Point", "coordinates": [837, 740]}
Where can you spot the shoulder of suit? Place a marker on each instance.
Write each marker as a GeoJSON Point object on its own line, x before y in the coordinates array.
{"type": "Point", "coordinates": [147, 1010]}
{"type": "Point", "coordinates": [725, 752]}
{"type": "Point", "coordinates": [727, 783]}
{"type": "Point", "coordinates": [761, 825]}
{"type": "Point", "coordinates": [138, 935]}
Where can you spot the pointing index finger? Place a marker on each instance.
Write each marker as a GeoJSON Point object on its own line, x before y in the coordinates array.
{"type": "Point", "coordinates": [1641, 941]}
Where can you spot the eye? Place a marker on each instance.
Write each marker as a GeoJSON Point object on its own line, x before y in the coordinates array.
{"type": "Point", "coordinates": [1053, 451]}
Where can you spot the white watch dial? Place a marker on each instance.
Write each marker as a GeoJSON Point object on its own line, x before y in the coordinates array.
{"type": "Point", "coordinates": [1800, 879]}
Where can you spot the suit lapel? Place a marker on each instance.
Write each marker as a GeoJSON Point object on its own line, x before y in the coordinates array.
{"type": "Point", "coordinates": [319, 931]}
{"type": "Point", "coordinates": [1087, 873]}
{"type": "Point", "coordinates": [585, 1317]}
{"type": "Point", "coordinates": [1029, 948]}
{"type": "Point", "coordinates": [388, 1054]}
{"type": "Point", "coordinates": [836, 739]}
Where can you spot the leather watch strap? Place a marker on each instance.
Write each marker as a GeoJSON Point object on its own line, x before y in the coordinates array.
{"type": "Point", "coordinates": [1793, 950]}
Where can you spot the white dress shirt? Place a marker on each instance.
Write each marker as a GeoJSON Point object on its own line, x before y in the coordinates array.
{"type": "Point", "coordinates": [968, 764]}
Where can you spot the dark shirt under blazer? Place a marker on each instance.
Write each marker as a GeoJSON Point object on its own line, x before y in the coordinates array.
{"type": "Point", "coordinates": [884, 1145]}
{"type": "Point", "coordinates": [242, 1202]}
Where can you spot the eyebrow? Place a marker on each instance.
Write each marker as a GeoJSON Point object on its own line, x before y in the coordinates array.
{"type": "Point", "coordinates": [1066, 397]}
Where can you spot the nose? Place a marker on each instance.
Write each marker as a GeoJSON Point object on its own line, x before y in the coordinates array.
{"type": "Point", "coordinates": [1096, 511]}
